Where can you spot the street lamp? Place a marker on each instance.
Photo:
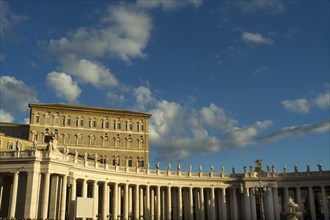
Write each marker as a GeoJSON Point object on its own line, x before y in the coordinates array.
{"type": "Point", "coordinates": [260, 191]}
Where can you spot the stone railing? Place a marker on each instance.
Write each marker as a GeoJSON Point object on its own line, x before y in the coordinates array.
{"type": "Point", "coordinates": [89, 162]}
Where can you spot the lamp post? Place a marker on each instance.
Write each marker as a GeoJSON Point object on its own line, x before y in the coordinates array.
{"type": "Point", "coordinates": [260, 191]}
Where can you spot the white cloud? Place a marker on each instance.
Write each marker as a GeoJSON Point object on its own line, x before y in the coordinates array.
{"type": "Point", "coordinates": [5, 116]}
{"type": "Point", "coordinates": [143, 98]}
{"type": "Point", "coordinates": [297, 131]}
{"type": "Point", "coordinates": [256, 38]}
{"type": "Point", "coordinates": [253, 6]}
{"type": "Point", "coordinates": [8, 19]}
{"type": "Point", "coordinates": [168, 4]}
{"type": "Point", "coordinates": [89, 72]}
{"type": "Point", "coordinates": [297, 105]}
{"type": "Point", "coordinates": [216, 117]}
{"type": "Point", "coordinates": [123, 33]}
{"type": "Point", "coordinates": [64, 86]}
{"type": "Point", "coordinates": [15, 94]}
{"type": "Point", "coordinates": [323, 100]}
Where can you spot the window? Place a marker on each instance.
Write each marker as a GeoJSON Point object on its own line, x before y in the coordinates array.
{"type": "Point", "coordinates": [10, 145]}
{"type": "Point", "coordinates": [129, 163]}
{"type": "Point", "coordinates": [80, 122]}
{"type": "Point", "coordinates": [117, 124]}
{"type": "Point", "coordinates": [129, 142]}
{"type": "Point", "coordinates": [34, 136]}
{"type": "Point", "coordinates": [47, 119]}
{"type": "Point", "coordinates": [105, 141]}
{"type": "Point", "coordinates": [66, 121]}
{"type": "Point", "coordinates": [91, 140]}
{"type": "Point", "coordinates": [140, 126]}
{"type": "Point", "coordinates": [66, 138]}
{"type": "Point", "coordinates": [141, 141]}
{"type": "Point", "coordinates": [36, 119]}
{"type": "Point", "coordinates": [56, 120]}
{"type": "Point", "coordinates": [79, 139]}
{"type": "Point", "coordinates": [141, 163]}
{"type": "Point", "coordinates": [117, 141]}
{"type": "Point", "coordinates": [92, 123]}
{"type": "Point", "coordinates": [116, 160]}
{"type": "Point", "coordinates": [129, 125]}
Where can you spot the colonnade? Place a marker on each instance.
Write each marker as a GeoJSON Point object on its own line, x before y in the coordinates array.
{"type": "Point", "coordinates": [53, 196]}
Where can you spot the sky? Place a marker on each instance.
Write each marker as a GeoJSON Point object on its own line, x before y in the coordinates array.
{"type": "Point", "coordinates": [226, 82]}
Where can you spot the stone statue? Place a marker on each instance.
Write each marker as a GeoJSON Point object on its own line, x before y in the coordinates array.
{"type": "Point", "coordinates": [284, 169]}
{"type": "Point", "coordinates": [190, 168]}
{"type": "Point", "coordinates": [179, 167]}
{"type": "Point", "coordinates": [320, 167]}
{"type": "Point", "coordinates": [212, 169]}
{"type": "Point", "coordinates": [168, 166]}
{"type": "Point", "coordinates": [116, 161]}
{"type": "Point", "coordinates": [295, 168]}
{"type": "Point", "coordinates": [273, 168]}
{"type": "Point", "coordinates": [200, 168]}
{"type": "Point", "coordinates": [54, 144]}
{"type": "Point", "coordinates": [34, 144]}
{"type": "Point", "coordinates": [137, 164]}
{"type": "Point", "coordinates": [222, 169]}
{"type": "Point", "coordinates": [96, 158]}
{"type": "Point", "coordinates": [66, 150]}
{"type": "Point", "coordinates": [233, 170]}
{"type": "Point", "coordinates": [18, 145]}
{"type": "Point", "coordinates": [157, 165]}
{"type": "Point", "coordinates": [76, 153]}
{"type": "Point", "coordinates": [50, 145]}
{"type": "Point", "coordinates": [308, 168]}
{"type": "Point", "coordinates": [245, 169]}
{"type": "Point", "coordinates": [148, 165]}
{"type": "Point", "coordinates": [258, 165]}
{"type": "Point", "coordinates": [85, 156]}
{"type": "Point", "coordinates": [251, 168]}
{"type": "Point", "coordinates": [268, 169]}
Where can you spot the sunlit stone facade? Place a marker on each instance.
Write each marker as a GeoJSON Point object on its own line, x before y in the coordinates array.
{"type": "Point", "coordinates": [44, 181]}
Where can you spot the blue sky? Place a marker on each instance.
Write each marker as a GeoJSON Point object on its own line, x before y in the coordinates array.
{"type": "Point", "coordinates": [227, 82]}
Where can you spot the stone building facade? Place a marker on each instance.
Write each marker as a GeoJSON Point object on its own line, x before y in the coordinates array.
{"type": "Point", "coordinates": [47, 176]}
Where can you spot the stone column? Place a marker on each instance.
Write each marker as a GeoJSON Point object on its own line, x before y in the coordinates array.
{"type": "Point", "coordinates": [169, 198]}
{"type": "Point", "coordinates": [179, 203]}
{"type": "Point", "coordinates": [234, 204]}
{"type": "Point", "coordinates": [202, 215]}
{"type": "Point", "coordinates": [152, 204]}
{"type": "Point", "coordinates": [96, 199]}
{"type": "Point", "coordinates": [30, 210]}
{"type": "Point", "coordinates": [63, 196]}
{"type": "Point", "coordinates": [53, 200]}
{"type": "Point", "coordinates": [136, 208]}
{"type": "Point", "coordinates": [147, 208]}
{"type": "Point", "coordinates": [191, 203]}
{"type": "Point", "coordinates": [311, 202]}
{"type": "Point", "coordinates": [276, 203]}
{"type": "Point", "coordinates": [45, 196]}
{"type": "Point", "coordinates": [298, 195]}
{"type": "Point", "coordinates": [286, 199]}
{"type": "Point", "coordinates": [141, 203]}
{"type": "Point", "coordinates": [115, 201]}
{"type": "Point", "coordinates": [223, 204]}
{"type": "Point", "coordinates": [212, 203]}
{"type": "Point", "coordinates": [73, 198]}
{"type": "Point", "coordinates": [84, 188]}
{"type": "Point", "coordinates": [247, 207]}
{"type": "Point", "coordinates": [12, 207]}
{"type": "Point", "coordinates": [253, 205]}
{"type": "Point", "coordinates": [158, 203]}
{"type": "Point", "coordinates": [126, 202]}
{"type": "Point", "coordinates": [130, 202]}
{"type": "Point", "coordinates": [105, 200]}
{"type": "Point", "coordinates": [270, 205]}
{"type": "Point", "coordinates": [119, 200]}
{"type": "Point", "coordinates": [324, 203]}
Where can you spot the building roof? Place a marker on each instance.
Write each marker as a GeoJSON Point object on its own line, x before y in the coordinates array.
{"type": "Point", "coordinates": [88, 109]}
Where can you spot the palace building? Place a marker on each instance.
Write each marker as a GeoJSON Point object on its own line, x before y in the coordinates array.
{"type": "Point", "coordinates": [68, 164]}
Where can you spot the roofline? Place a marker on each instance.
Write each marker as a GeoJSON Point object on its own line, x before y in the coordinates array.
{"type": "Point", "coordinates": [89, 108]}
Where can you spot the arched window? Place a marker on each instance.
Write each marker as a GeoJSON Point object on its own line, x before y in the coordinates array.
{"type": "Point", "coordinates": [140, 126]}
{"type": "Point", "coordinates": [141, 142]}
{"type": "Point", "coordinates": [80, 121]}
{"type": "Point", "coordinates": [105, 123]}
{"type": "Point", "coordinates": [34, 135]}
{"type": "Point", "coordinates": [66, 138]}
{"type": "Point", "coordinates": [129, 125]}
{"type": "Point", "coordinates": [56, 119]}
{"type": "Point", "coordinates": [117, 141]}
{"type": "Point", "coordinates": [47, 119]}
{"type": "Point", "coordinates": [92, 123]}
{"type": "Point", "coordinates": [129, 141]}
{"type": "Point", "coordinates": [117, 124]}
{"type": "Point", "coordinates": [67, 120]}
{"type": "Point", "coordinates": [36, 118]}
{"type": "Point", "coordinates": [92, 140]}
{"type": "Point", "coordinates": [105, 141]}
{"type": "Point", "coordinates": [79, 139]}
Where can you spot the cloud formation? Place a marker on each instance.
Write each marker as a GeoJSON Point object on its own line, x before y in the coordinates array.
{"type": "Point", "coordinates": [8, 19]}
{"type": "Point", "coordinates": [122, 33]}
{"type": "Point", "coordinates": [256, 38]}
{"type": "Point", "coordinates": [303, 105]}
{"type": "Point", "coordinates": [253, 6]}
{"type": "Point", "coordinates": [5, 116]}
{"type": "Point", "coordinates": [15, 94]}
{"type": "Point", "coordinates": [297, 131]}
{"type": "Point", "coordinates": [64, 86]}
{"type": "Point", "coordinates": [168, 4]}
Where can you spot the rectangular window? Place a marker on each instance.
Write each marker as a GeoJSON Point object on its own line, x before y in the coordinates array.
{"type": "Point", "coordinates": [36, 119]}
{"type": "Point", "coordinates": [106, 124]}
{"type": "Point", "coordinates": [66, 139]}
{"type": "Point", "coordinates": [47, 120]}
{"type": "Point", "coordinates": [79, 140]}
{"type": "Point", "coordinates": [141, 163]}
{"type": "Point", "coordinates": [130, 163]}
{"type": "Point", "coordinates": [92, 141]}
{"type": "Point", "coordinates": [56, 121]}
{"type": "Point", "coordinates": [94, 124]}
{"type": "Point", "coordinates": [68, 122]}
{"type": "Point", "coordinates": [81, 123]}
{"type": "Point", "coordinates": [10, 145]}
